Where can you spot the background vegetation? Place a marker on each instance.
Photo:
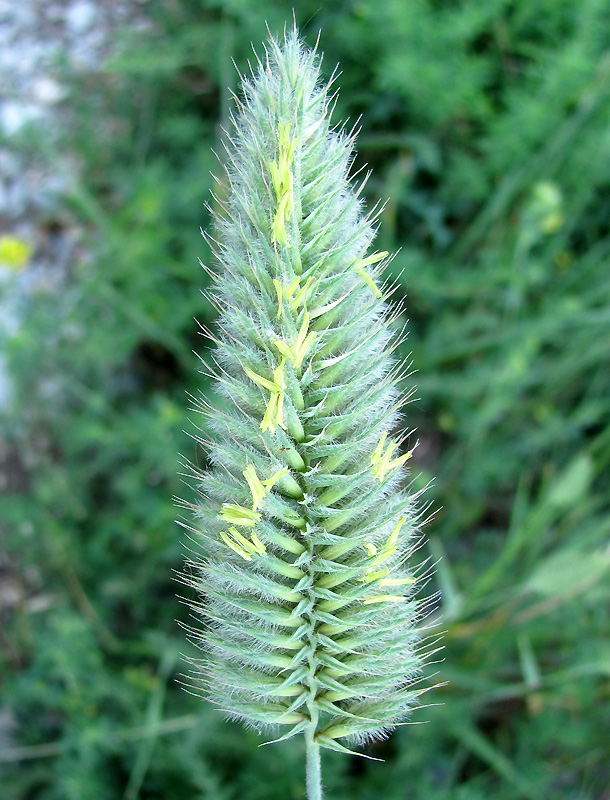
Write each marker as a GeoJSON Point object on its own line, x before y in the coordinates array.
{"type": "Point", "coordinates": [487, 127]}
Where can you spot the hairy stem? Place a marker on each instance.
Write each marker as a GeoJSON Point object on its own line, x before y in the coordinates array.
{"type": "Point", "coordinates": [314, 774]}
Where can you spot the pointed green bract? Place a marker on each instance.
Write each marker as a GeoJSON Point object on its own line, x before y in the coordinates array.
{"type": "Point", "coordinates": [310, 625]}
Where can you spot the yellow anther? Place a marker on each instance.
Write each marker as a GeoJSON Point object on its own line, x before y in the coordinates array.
{"type": "Point", "coordinates": [285, 144]}
{"type": "Point", "coordinates": [274, 414]}
{"type": "Point", "coordinates": [381, 463]}
{"type": "Point", "coordinates": [359, 268]}
{"type": "Point", "coordinates": [383, 598]}
{"type": "Point", "coordinates": [302, 332]}
{"type": "Point", "coordinates": [286, 293]}
{"type": "Point", "coordinates": [234, 546]}
{"type": "Point", "coordinates": [284, 349]}
{"type": "Point", "coordinates": [270, 482]}
{"type": "Point", "coordinates": [378, 450]}
{"type": "Point", "coordinates": [293, 286]}
{"type": "Point", "coordinates": [245, 548]}
{"type": "Point", "coordinates": [368, 280]}
{"type": "Point", "coordinates": [263, 382]}
{"type": "Point", "coordinates": [257, 490]}
{"type": "Point", "coordinates": [370, 576]}
{"type": "Point", "coordinates": [278, 376]}
{"type": "Point", "coordinates": [374, 258]}
{"type": "Point", "coordinates": [397, 581]}
{"type": "Point", "coordinates": [275, 177]}
{"type": "Point", "coordinates": [384, 554]}
{"type": "Point", "coordinates": [387, 551]}
{"type": "Point", "coordinates": [284, 208]}
{"type": "Point", "coordinates": [299, 350]}
{"type": "Point", "coordinates": [393, 538]}
{"type": "Point", "coordinates": [303, 342]}
{"type": "Point", "coordinates": [239, 515]}
{"type": "Point", "coordinates": [302, 295]}
{"type": "Point", "coordinates": [398, 462]}
{"type": "Point", "coordinates": [241, 540]}
{"type": "Point", "coordinates": [281, 177]}
{"type": "Point", "coordinates": [260, 547]}
{"type": "Point", "coordinates": [304, 349]}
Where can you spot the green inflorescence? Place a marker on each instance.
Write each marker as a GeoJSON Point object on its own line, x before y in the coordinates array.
{"type": "Point", "coordinates": [311, 625]}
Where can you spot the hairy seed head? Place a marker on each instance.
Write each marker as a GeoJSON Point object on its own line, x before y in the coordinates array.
{"type": "Point", "coordinates": [306, 530]}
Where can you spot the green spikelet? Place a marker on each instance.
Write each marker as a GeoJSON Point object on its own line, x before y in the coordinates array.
{"type": "Point", "coordinates": [310, 622]}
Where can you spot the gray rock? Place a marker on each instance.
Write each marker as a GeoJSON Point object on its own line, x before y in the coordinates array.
{"type": "Point", "coordinates": [80, 16]}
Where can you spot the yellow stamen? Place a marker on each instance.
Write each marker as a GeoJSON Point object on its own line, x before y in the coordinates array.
{"type": "Point", "coordinates": [293, 286]}
{"type": "Point", "coordinates": [274, 414]}
{"type": "Point", "coordinates": [378, 450]}
{"type": "Point", "coordinates": [241, 540]}
{"type": "Point", "coordinates": [370, 576]}
{"type": "Point", "coordinates": [384, 598]}
{"type": "Point", "coordinates": [359, 268]}
{"type": "Point", "coordinates": [257, 489]}
{"type": "Point", "coordinates": [263, 382]}
{"type": "Point", "coordinates": [397, 462]}
{"type": "Point", "coordinates": [302, 332]}
{"type": "Point", "coordinates": [397, 581]}
{"type": "Point", "coordinates": [270, 482]}
{"type": "Point", "coordinates": [394, 535]}
{"type": "Point", "coordinates": [235, 547]}
{"type": "Point", "coordinates": [387, 551]}
{"type": "Point", "coordinates": [281, 178]}
{"type": "Point", "coordinates": [239, 515]}
{"type": "Point", "coordinates": [278, 375]}
{"type": "Point", "coordinates": [260, 547]}
{"type": "Point", "coordinates": [301, 347]}
{"type": "Point", "coordinates": [302, 295]}
{"type": "Point", "coordinates": [382, 463]}
{"type": "Point", "coordinates": [374, 258]}
{"type": "Point", "coordinates": [284, 349]}
{"type": "Point", "coordinates": [245, 548]}
{"type": "Point", "coordinates": [304, 349]}
{"type": "Point", "coordinates": [368, 280]}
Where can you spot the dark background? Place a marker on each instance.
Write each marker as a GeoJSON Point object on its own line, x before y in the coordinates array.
{"type": "Point", "coordinates": [487, 126]}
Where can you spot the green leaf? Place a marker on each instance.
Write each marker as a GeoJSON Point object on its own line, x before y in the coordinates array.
{"type": "Point", "coordinates": [572, 484]}
{"type": "Point", "coordinates": [569, 571]}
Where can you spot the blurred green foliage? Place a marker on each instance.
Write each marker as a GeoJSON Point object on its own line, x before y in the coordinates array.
{"type": "Point", "coordinates": [486, 125]}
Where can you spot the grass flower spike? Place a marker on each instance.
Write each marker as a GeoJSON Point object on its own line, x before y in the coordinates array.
{"type": "Point", "coordinates": [310, 623]}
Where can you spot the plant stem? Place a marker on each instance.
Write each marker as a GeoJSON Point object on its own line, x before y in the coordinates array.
{"type": "Point", "coordinates": [314, 775]}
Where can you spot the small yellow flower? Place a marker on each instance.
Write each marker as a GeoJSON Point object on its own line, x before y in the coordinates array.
{"type": "Point", "coordinates": [14, 252]}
